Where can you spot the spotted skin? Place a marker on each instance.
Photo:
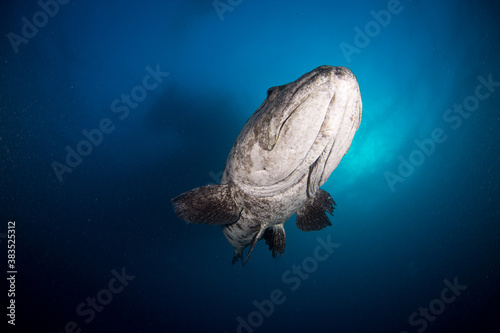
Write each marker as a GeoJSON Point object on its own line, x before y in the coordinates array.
{"type": "Point", "coordinates": [286, 150]}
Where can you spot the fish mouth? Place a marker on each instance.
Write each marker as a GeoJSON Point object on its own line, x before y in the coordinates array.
{"type": "Point", "coordinates": [324, 81]}
{"type": "Point", "coordinates": [319, 84]}
{"type": "Point", "coordinates": [295, 129]}
{"type": "Point", "coordinates": [283, 101]}
{"type": "Point", "coordinates": [322, 75]}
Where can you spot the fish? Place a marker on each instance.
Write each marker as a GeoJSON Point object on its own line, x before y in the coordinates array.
{"type": "Point", "coordinates": [286, 150]}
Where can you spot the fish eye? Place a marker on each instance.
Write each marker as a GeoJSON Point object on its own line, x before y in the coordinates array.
{"type": "Point", "coordinates": [271, 93]}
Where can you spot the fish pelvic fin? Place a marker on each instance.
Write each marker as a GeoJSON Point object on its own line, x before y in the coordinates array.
{"type": "Point", "coordinates": [255, 239]}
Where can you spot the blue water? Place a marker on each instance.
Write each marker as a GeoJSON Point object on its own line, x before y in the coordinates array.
{"type": "Point", "coordinates": [162, 89]}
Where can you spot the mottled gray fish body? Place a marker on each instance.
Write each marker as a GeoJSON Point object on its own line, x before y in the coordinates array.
{"type": "Point", "coordinates": [284, 153]}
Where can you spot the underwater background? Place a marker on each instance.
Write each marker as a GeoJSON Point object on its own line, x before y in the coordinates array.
{"type": "Point", "coordinates": [109, 109]}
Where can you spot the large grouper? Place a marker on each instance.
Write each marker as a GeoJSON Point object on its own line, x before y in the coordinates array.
{"type": "Point", "coordinates": [284, 153]}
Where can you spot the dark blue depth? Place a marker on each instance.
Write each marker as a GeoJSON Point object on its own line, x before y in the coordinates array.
{"type": "Point", "coordinates": [108, 109]}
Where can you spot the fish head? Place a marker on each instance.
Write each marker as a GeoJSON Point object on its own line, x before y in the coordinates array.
{"type": "Point", "coordinates": [302, 128]}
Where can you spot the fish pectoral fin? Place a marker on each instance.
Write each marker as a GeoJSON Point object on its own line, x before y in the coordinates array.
{"type": "Point", "coordinates": [275, 238]}
{"type": "Point", "coordinates": [211, 204]}
{"type": "Point", "coordinates": [312, 216]}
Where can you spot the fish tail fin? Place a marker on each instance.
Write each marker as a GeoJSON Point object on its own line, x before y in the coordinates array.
{"type": "Point", "coordinates": [238, 254]}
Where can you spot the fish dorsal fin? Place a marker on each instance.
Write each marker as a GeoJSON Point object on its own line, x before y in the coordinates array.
{"type": "Point", "coordinates": [211, 204]}
{"type": "Point", "coordinates": [275, 239]}
{"type": "Point", "coordinates": [312, 216]}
